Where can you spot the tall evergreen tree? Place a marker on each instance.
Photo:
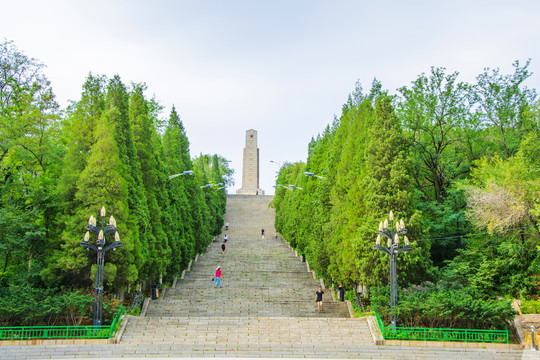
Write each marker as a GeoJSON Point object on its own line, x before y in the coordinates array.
{"type": "Point", "coordinates": [387, 186]}
{"type": "Point", "coordinates": [102, 183]}
{"type": "Point", "coordinates": [176, 149]}
{"type": "Point", "coordinates": [68, 264]}
{"type": "Point", "coordinates": [117, 103]}
{"type": "Point", "coordinates": [143, 136]}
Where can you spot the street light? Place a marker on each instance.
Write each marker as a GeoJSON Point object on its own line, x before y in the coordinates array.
{"type": "Point", "coordinates": [284, 187]}
{"type": "Point", "coordinates": [307, 173]}
{"type": "Point", "coordinates": [392, 235]}
{"type": "Point", "coordinates": [295, 187]}
{"type": "Point", "coordinates": [187, 172]}
{"type": "Point", "coordinates": [211, 185]}
{"type": "Point", "coordinates": [100, 248]}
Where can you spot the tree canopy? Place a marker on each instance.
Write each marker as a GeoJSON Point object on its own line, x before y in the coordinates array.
{"type": "Point", "coordinates": [110, 148]}
{"type": "Point", "coordinates": [457, 161]}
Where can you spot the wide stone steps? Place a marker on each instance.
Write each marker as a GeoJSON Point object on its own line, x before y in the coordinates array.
{"type": "Point", "coordinates": [267, 293]}
{"type": "Point", "coordinates": [249, 330]}
{"type": "Point", "coordinates": [282, 294]}
{"type": "Point", "coordinates": [255, 350]}
{"type": "Point", "coordinates": [247, 308]}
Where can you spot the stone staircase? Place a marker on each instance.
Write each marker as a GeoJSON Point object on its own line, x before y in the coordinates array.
{"type": "Point", "coordinates": [266, 309]}
{"type": "Point", "coordinates": [268, 296]}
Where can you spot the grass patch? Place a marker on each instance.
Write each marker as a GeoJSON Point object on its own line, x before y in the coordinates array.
{"type": "Point", "coordinates": [530, 306]}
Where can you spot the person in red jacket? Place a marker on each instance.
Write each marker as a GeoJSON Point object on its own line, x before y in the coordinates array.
{"type": "Point", "coordinates": [217, 278]}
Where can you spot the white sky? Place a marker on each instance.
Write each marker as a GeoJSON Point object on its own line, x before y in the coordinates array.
{"type": "Point", "coordinates": [281, 67]}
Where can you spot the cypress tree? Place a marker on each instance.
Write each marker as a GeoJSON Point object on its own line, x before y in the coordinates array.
{"type": "Point", "coordinates": [67, 261]}
{"type": "Point", "coordinates": [102, 184]}
{"type": "Point", "coordinates": [117, 101]}
{"type": "Point", "coordinates": [143, 132]}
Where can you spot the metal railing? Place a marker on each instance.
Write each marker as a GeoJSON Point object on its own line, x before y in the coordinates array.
{"type": "Point", "coordinates": [442, 334]}
{"type": "Point", "coordinates": [60, 332]}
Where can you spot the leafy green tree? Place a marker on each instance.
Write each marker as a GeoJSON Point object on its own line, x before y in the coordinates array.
{"type": "Point", "coordinates": [435, 113]}
{"type": "Point", "coordinates": [501, 103]}
{"type": "Point", "coordinates": [30, 149]}
{"type": "Point", "coordinates": [503, 198]}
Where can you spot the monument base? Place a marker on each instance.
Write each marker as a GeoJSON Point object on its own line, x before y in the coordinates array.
{"type": "Point", "coordinates": [250, 192]}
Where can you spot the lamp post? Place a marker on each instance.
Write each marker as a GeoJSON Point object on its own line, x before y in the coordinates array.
{"type": "Point", "coordinates": [307, 173]}
{"type": "Point", "coordinates": [212, 185]}
{"type": "Point", "coordinates": [187, 172]}
{"type": "Point", "coordinates": [100, 248]}
{"type": "Point", "coordinates": [392, 235]}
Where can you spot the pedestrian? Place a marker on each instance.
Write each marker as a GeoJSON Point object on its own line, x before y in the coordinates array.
{"type": "Point", "coordinates": [223, 248]}
{"type": "Point", "coordinates": [319, 299]}
{"type": "Point", "coordinates": [262, 232]}
{"type": "Point", "coordinates": [226, 226]}
{"type": "Point", "coordinates": [217, 278]}
{"type": "Point", "coordinates": [225, 238]}
{"type": "Point", "coordinates": [341, 292]}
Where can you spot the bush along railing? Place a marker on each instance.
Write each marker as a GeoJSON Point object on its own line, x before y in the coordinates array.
{"type": "Point", "coordinates": [441, 334]}
{"type": "Point", "coordinates": [61, 332]}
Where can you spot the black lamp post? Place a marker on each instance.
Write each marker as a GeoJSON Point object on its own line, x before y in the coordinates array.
{"type": "Point", "coordinates": [392, 234]}
{"type": "Point", "coordinates": [100, 248]}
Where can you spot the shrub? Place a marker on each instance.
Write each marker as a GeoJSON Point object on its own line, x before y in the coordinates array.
{"type": "Point", "coordinates": [28, 306]}
{"type": "Point", "coordinates": [436, 307]}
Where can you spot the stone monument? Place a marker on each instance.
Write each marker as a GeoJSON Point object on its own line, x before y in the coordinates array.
{"type": "Point", "coordinates": [250, 167]}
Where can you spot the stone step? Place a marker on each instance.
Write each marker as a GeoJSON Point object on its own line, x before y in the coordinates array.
{"type": "Point", "coordinates": [222, 349]}
{"type": "Point", "coordinates": [249, 330]}
{"type": "Point", "coordinates": [247, 308]}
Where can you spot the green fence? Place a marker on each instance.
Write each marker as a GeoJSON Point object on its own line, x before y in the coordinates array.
{"type": "Point", "coordinates": [440, 334]}
{"type": "Point", "coordinates": [60, 332]}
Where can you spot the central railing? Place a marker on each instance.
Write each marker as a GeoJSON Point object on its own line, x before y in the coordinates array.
{"type": "Point", "coordinates": [442, 334]}
{"type": "Point", "coordinates": [60, 332]}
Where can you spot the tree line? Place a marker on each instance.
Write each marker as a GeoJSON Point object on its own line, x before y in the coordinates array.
{"type": "Point", "coordinates": [110, 148]}
{"type": "Point", "coordinates": [459, 163]}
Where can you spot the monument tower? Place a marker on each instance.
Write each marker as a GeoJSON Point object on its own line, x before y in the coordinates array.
{"type": "Point", "coordinates": [250, 167]}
